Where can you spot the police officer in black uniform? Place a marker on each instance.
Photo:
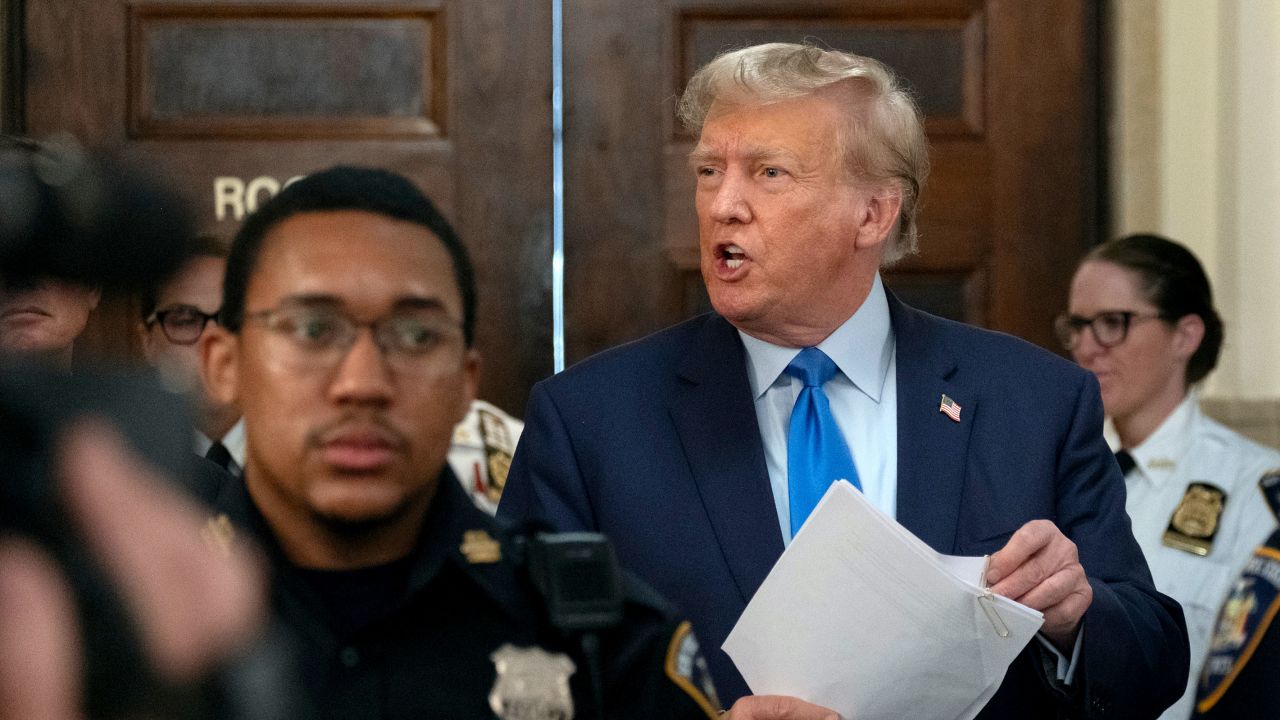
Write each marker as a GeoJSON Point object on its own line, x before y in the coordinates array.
{"type": "Point", "coordinates": [1241, 676]}
{"type": "Point", "coordinates": [346, 339]}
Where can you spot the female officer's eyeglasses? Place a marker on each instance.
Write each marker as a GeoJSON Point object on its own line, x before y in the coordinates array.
{"type": "Point", "coordinates": [1109, 328]}
{"type": "Point", "coordinates": [182, 324]}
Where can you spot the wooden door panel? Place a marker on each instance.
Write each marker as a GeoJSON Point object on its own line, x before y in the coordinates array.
{"type": "Point", "coordinates": [618, 283]}
{"type": "Point", "coordinates": [936, 46]}
{"type": "Point", "coordinates": [1044, 131]}
{"type": "Point", "coordinates": [287, 71]}
{"type": "Point", "coordinates": [229, 100]}
{"type": "Point", "coordinates": [955, 212]}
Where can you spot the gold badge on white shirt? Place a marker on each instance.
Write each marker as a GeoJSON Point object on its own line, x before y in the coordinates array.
{"type": "Point", "coordinates": [1195, 521]}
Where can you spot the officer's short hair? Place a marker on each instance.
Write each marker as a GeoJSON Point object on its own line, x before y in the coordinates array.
{"type": "Point", "coordinates": [344, 188]}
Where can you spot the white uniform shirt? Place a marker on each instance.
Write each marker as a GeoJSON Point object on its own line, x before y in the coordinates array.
{"type": "Point", "coordinates": [1190, 447]}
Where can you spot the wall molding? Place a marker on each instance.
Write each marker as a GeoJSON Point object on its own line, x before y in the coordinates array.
{"type": "Point", "coordinates": [1256, 419]}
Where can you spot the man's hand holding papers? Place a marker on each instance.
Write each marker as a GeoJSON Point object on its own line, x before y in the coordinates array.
{"type": "Point", "coordinates": [1039, 568]}
{"type": "Point", "coordinates": [778, 707]}
{"type": "Point", "coordinates": [863, 617]}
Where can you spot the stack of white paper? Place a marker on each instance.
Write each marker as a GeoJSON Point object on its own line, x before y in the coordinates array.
{"type": "Point", "coordinates": [863, 617]}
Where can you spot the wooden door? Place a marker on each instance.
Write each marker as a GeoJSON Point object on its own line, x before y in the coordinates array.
{"type": "Point", "coordinates": [230, 100]}
{"type": "Point", "coordinates": [1009, 91]}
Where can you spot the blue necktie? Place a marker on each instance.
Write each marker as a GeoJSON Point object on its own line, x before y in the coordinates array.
{"type": "Point", "coordinates": [816, 452]}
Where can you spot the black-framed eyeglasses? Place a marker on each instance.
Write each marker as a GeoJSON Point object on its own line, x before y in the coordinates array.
{"type": "Point", "coordinates": [411, 339]}
{"type": "Point", "coordinates": [182, 324]}
{"type": "Point", "coordinates": [1109, 327]}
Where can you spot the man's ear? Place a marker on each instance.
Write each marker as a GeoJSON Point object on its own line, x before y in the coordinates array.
{"type": "Point", "coordinates": [1189, 332]}
{"type": "Point", "coordinates": [882, 207]}
{"type": "Point", "coordinates": [220, 364]}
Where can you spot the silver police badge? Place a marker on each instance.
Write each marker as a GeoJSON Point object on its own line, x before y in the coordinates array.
{"type": "Point", "coordinates": [531, 684]}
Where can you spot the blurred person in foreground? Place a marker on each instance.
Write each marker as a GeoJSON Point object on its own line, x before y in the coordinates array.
{"type": "Point", "coordinates": [1141, 318]}
{"type": "Point", "coordinates": [346, 340]}
{"type": "Point", "coordinates": [41, 317]}
{"type": "Point", "coordinates": [174, 317]}
{"type": "Point", "coordinates": [112, 605]}
{"type": "Point", "coordinates": [193, 604]}
{"type": "Point", "coordinates": [692, 448]}
{"type": "Point", "coordinates": [56, 188]}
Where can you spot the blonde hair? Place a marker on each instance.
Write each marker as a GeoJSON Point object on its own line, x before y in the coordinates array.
{"type": "Point", "coordinates": [884, 139]}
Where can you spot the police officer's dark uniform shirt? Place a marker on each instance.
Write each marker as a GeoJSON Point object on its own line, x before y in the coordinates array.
{"type": "Point", "coordinates": [424, 637]}
{"type": "Point", "coordinates": [1241, 675]}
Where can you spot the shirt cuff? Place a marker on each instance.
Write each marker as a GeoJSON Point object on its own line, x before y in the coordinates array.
{"type": "Point", "coordinates": [1066, 667]}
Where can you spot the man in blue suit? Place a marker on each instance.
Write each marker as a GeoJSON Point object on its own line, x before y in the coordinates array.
{"type": "Point", "coordinates": [700, 450]}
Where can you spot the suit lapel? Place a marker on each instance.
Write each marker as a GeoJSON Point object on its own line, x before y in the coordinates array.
{"type": "Point", "coordinates": [715, 419]}
{"type": "Point", "coordinates": [932, 448]}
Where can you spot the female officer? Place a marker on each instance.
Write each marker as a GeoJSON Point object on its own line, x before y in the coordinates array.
{"type": "Point", "coordinates": [1142, 319]}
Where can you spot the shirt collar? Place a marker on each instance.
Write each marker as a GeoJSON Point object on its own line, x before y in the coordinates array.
{"type": "Point", "coordinates": [861, 347]}
{"type": "Point", "coordinates": [203, 443]}
{"type": "Point", "coordinates": [1158, 456]}
{"type": "Point", "coordinates": [233, 441]}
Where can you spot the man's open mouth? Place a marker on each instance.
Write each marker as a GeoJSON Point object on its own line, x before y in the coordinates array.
{"type": "Point", "coordinates": [732, 255]}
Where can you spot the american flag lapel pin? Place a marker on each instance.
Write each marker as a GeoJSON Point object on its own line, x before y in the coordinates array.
{"type": "Point", "coordinates": [950, 408]}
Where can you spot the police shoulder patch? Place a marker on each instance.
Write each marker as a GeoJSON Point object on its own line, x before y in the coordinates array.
{"type": "Point", "coordinates": [1243, 621]}
{"type": "Point", "coordinates": [1269, 484]}
{"type": "Point", "coordinates": [499, 447]}
{"type": "Point", "coordinates": [688, 670]}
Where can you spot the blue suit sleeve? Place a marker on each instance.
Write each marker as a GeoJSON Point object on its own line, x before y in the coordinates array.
{"type": "Point", "coordinates": [1135, 650]}
{"type": "Point", "coordinates": [545, 483]}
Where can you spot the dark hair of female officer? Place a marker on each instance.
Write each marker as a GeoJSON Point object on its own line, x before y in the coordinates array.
{"type": "Point", "coordinates": [1174, 281]}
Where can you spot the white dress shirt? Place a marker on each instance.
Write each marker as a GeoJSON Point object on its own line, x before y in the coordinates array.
{"type": "Point", "coordinates": [233, 441]}
{"type": "Point", "coordinates": [1190, 447]}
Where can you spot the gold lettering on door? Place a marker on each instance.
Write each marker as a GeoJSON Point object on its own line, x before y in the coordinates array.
{"type": "Point", "coordinates": [233, 198]}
